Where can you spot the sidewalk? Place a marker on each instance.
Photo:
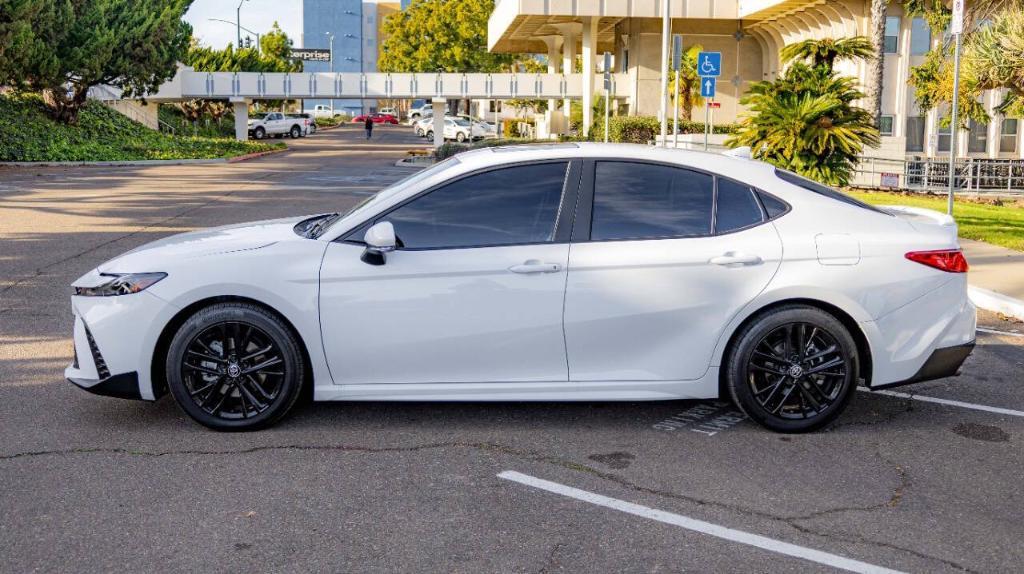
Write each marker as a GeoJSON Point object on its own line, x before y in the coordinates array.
{"type": "Point", "coordinates": [996, 277]}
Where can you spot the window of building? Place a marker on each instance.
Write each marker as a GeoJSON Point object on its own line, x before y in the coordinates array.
{"type": "Point", "coordinates": [915, 133]}
{"type": "Point", "coordinates": [944, 138]}
{"type": "Point", "coordinates": [736, 207]}
{"type": "Point", "coordinates": [892, 34]}
{"type": "Point", "coordinates": [646, 201]}
{"type": "Point", "coordinates": [515, 205]}
{"type": "Point", "coordinates": [977, 137]}
{"type": "Point", "coordinates": [920, 37]}
{"type": "Point", "coordinates": [1008, 136]}
{"type": "Point", "coordinates": [885, 125]}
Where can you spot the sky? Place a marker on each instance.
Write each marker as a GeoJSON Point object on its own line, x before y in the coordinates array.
{"type": "Point", "coordinates": [257, 15]}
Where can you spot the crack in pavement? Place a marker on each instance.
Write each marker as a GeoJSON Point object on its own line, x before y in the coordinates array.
{"type": "Point", "coordinates": [791, 521]}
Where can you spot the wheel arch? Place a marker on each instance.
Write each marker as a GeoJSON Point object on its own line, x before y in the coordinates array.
{"type": "Point", "coordinates": [158, 364]}
{"type": "Point", "coordinates": [865, 364]}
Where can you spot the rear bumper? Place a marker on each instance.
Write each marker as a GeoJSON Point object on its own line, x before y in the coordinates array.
{"type": "Point", "coordinates": [942, 363]}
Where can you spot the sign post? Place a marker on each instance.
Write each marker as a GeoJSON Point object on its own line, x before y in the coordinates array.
{"type": "Point", "coordinates": [956, 27]}
{"type": "Point", "coordinates": [607, 90]}
{"type": "Point", "coordinates": [709, 67]}
{"type": "Point", "coordinates": [677, 58]}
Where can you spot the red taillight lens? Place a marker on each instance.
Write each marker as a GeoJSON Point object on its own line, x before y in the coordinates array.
{"type": "Point", "coordinates": [949, 260]}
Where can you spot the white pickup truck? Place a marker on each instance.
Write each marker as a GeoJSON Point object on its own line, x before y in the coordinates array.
{"type": "Point", "coordinates": [275, 124]}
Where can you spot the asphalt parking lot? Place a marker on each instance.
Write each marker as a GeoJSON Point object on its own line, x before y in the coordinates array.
{"type": "Point", "coordinates": [97, 484]}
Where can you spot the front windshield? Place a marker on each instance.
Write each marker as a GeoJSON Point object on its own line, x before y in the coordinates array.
{"type": "Point", "coordinates": [257, 116]}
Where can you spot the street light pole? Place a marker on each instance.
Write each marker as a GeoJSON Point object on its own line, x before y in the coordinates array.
{"type": "Point", "coordinates": [666, 29]}
{"type": "Point", "coordinates": [330, 37]}
{"type": "Point", "coordinates": [238, 24]}
{"type": "Point", "coordinates": [956, 27]}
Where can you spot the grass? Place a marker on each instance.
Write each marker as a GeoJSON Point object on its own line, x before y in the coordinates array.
{"type": "Point", "coordinates": [28, 134]}
{"type": "Point", "coordinates": [997, 224]}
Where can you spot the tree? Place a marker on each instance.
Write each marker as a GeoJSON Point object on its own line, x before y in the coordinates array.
{"type": "Point", "coordinates": [275, 44]}
{"type": "Point", "coordinates": [62, 48]}
{"type": "Point", "coordinates": [440, 36]}
{"type": "Point", "coordinates": [688, 92]}
{"type": "Point", "coordinates": [827, 51]}
{"type": "Point", "coordinates": [876, 64]}
{"type": "Point", "coordinates": [805, 121]}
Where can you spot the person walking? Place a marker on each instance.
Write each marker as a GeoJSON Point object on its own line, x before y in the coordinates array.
{"type": "Point", "coordinates": [368, 124]}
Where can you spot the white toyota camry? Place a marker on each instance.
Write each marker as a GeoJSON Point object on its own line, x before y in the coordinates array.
{"type": "Point", "coordinates": [562, 272]}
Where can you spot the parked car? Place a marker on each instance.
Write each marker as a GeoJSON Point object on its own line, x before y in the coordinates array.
{"type": "Point", "coordinates": [389, 112]}
{"type": "Point", "coordinates": [310, 121]}
{"type": "Point", "coordinates": [276, 124]}
{"type": "Point", "coordinates": [417, 112]}
{"type": "Point", "coordinates": [461, 129]}
{"type": "Point", "coordinates": [324, 111]}
{"type": "Point", "coordinates": [377, 118]}
{"type": "Point", "coordinates": [560, 272]}
{"type": "Point", "coordinates": [421, 125]}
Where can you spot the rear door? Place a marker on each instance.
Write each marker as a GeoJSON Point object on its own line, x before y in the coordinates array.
{"type": "Point", "coordinates": [657, 274]}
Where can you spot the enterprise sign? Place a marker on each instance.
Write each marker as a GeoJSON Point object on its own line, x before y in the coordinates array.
{"type": "Point", "coordinates": [311, 54]}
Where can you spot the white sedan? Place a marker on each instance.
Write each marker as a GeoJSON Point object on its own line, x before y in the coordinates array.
{"type": "Point", "coordinates": [561, 272]}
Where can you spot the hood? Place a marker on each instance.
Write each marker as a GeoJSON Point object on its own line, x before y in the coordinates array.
{"type": "Point", "coordinates": [157, 255]}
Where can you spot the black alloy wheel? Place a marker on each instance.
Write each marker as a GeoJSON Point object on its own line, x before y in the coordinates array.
{"type": "Point", "coordinates": [234, 366]}
{"type": "Point", "coordinates": [793, 369]}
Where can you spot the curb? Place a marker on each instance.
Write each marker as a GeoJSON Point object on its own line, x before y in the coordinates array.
{"type": "Point", "coordinates": [254, 155]}
{"type": "Point", "coordinates": [996, 302]}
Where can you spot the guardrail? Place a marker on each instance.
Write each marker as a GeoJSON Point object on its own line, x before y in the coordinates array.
{"type": "Point", "coordinates": [971, 175]}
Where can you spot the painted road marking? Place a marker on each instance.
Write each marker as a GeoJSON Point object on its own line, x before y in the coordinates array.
{"type": "Point", "coordinates": [997, 332]}
{"type": "Point", "coordinates": [947, 402]}
{"type": "Point", "coordinates": [707, 419]}
{"type": "Point", "coordinates": [695, 525]}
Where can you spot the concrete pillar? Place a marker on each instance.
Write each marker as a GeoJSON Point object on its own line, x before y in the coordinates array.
{"type": "Point", "coordinates": [241, 109]}
{"type": "Point", "coordinates": [589, 53]}
{"type": "Point", "coordinates": [569, 32]}
{"type": "Point", "coordinates": [554, 44]}
{"type": "Point", "coordinates": [439, 105]}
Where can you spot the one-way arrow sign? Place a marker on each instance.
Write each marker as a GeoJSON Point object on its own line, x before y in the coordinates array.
{"type": "Point", "coordinates": [707, 87]}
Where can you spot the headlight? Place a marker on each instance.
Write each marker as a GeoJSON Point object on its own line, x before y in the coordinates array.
{"type": "Point", "coordinates": [120, 284]}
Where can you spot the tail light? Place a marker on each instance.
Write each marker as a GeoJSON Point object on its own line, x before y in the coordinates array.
{"type": "Point", "coordinates": [949, 260]}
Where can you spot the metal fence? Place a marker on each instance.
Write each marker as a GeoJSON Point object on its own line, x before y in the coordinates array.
{"type": "Point", "coordinates": [971, 175]}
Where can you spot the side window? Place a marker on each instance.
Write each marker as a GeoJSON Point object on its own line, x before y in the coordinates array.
{"type": "Point", "coordinates": [772, 206]}
{"type": "Point", "coordinates": [736, 208]}
{"type": "Point", "coordinates": [646, 201]}
{"type": "Point", "coordinates": [509, 206]}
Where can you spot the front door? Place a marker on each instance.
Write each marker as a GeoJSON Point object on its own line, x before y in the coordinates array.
{"type": "Point", "coordinates": [662, 272]}
{"type": "Point", "coordinates": [473, 294]}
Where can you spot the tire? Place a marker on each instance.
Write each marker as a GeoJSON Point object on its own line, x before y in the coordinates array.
{"type": "Point", "coordinates": [419, 132]}
{"type": "Point", "coordinates": [295, 132]}
{"type": "Point", "coordinates": [460, 137]}
{"type": "Point", "coordinates": [430, 135]}
{"type": "Point", "coordinates": [259, 133]}
{"type": "Point", "coordinates": [782, 374]}
{"type": "Point", "coordinates": [207, 372]}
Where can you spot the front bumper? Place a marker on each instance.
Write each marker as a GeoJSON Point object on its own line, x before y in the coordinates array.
{"type": "Point", "coordinates": [123, 386]}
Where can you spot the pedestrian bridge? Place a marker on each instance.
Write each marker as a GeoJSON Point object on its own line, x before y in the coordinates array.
{"type": "Point", "coordinates": [189, 84]}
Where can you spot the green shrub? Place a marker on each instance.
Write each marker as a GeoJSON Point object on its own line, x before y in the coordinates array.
{"type": "Point", "coordinates": [28, 134]}
{"type": "Point", "coordinates": [643, 129]}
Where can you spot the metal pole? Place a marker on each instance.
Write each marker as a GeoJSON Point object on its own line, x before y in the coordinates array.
{"type": "Point", "coordinates": [707, 115]}
{"type": "Point", "coordinates": [675, 113]}
{"type": "Point", "coordinates": [666, 29]}
{"type": "Point", "coordinates": [954, 125]}
{"type": "Point", "coordinates": [331, 47]}
{"type": "Point", "coordinates": [607, 98]}
{"type": "Point", "coordinates": [238, 24]}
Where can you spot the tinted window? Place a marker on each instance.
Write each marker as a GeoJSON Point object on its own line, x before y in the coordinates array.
{"type": "Point", "coordinates": [641, 201]}
{"type": "Point", "coordinates": [737, 207]}
{"type": "Point", "coordinates": [772, 206]}
{"type": "Point", "coordinates": [811, 185]}
{"type": "Point", "coordinates": [500, 207]}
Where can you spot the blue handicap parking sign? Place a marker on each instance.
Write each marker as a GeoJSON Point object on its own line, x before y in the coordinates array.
{"type": "Point", "coordinates": [709, 64]}
{"type": "Point", "coordinates": [707, 87]}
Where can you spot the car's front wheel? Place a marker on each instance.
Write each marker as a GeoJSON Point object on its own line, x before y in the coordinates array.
{"type": "Point", "coordinates": [430, 134]}
{"type": "Point", "coordinates": [235, 366]}
{"type": "Point", "coordinates": [259, 133]}
{"type": "Point", "coordinates": [460, 137]}
{"type": "Point", "coordinates": [793, 369]}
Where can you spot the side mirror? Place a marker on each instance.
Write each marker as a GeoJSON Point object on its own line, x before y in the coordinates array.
{"type": "Point", "coordinates": [379, 239]}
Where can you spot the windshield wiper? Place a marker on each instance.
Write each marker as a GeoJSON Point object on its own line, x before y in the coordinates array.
{"type": "Point", "coordinates": [320, 226]}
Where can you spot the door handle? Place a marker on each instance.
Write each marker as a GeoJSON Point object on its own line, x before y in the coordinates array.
{"type": "Point", "coordinates": [535, 266]}
{"type": "Point", "coordinates": [735, 259]}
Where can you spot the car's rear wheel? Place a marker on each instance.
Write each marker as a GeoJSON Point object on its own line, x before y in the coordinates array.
{"type": "Point", "coordinates": [460, 137]}
{"type": "Point", "coordinates": [259, 133]}
{"type": "Point", "coordinates": [235, 366]}
{"type": "Point", "coordinates": [430, 134]}
{"type": "Point", "coordinates": [793, 369]}
{"type": "Point", "coordinates": [296, 131]}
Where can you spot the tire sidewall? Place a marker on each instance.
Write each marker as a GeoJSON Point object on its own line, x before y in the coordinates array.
{"type": "Point", "coordinates": [245, 313]}
{"type": "Point", "coordinates": [259, 133]}
{"type": "Point", "coordinates": [751, 335]}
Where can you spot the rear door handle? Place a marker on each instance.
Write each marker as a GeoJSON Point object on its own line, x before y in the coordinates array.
{"type": "Point", "coordinates": [735, 259]}
{"type": "Point", "coordinates": [535, 266]}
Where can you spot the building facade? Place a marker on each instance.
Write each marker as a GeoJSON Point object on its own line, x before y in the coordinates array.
{"type": "Point", "coordinates": [749, 34]}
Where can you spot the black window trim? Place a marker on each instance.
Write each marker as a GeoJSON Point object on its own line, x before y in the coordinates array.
{"type": "Point", "coordinates": [581, 233]}
{"type": "Point", "coordinates": [564, 217]}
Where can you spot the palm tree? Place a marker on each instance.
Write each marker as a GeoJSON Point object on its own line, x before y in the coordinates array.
{"type": "Point", "coordinates": [876, 64]}
{"type": "Point", "coordinates": [994, 58]}
{"type": "Point", "coordinates": [827, 51]}
{"type": "Point", "coordinates": [806, 122]}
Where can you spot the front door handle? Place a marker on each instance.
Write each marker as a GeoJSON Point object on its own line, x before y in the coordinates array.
{"type": "Point", "coordinates": [735, 259]}
{"type": "Point", "coordinates": [535, 266]}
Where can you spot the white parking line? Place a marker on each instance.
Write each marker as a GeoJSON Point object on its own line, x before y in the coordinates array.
{"type": "Point", "coordinates": [947, 402]}
{"type": "Point", "coordinates": [695, 525]}
{"type": "Point", "coordinates": [997, 332]}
